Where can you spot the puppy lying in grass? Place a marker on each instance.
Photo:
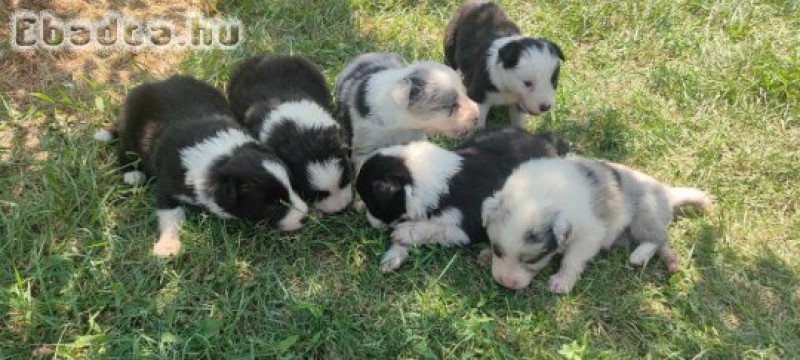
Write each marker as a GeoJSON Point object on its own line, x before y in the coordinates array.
{"type": "Point", "coordinates": [186, 137]}
{"type": "Point", "coordinates": [285, 102]}
{"type": "Point", "coordinates": [428, 194]}
{"type": "Point", "coordinates": [384, 101]}
{"type": "Point", "coordinates": [577, 207]}
{"type": "Point", "coordinates": [500, 66]}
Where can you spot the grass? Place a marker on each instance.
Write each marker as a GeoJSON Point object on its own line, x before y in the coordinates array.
{"type": "Point", "coordinates": [694, 92]}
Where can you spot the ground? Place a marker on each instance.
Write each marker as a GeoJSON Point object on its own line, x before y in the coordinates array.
{"type": "Point", "coordinates": [693, 92]}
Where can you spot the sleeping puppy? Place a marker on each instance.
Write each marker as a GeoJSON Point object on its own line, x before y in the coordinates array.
{"type": "Point", "coordinates": [500, 66]}
{"type": "Point", "coordinates": [187, 138]}
{"type": "Point", "coordinates": [432, 195]}
{"type": "Point", "coordinates": [578, 207]}
{"type": "Point", "coordinates": [285, 102]}
{"type": "Point", "coordinates": [384, 101]}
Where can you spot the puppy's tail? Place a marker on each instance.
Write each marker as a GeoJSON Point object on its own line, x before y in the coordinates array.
{"type": "Point", "coordinates": [105, 134]}
{"type": "Point", "coordinates": [680, 197]}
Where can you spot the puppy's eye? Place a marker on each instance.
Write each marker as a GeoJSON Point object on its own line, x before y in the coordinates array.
{"type": "Point", "coordinates": [497, 251]}
{"type": "Point", "coordinates": [452, 109]}
{"type": "Point", "coordinates": [528, 84]}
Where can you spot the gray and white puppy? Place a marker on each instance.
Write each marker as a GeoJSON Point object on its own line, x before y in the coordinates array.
{"type": "Point", "coordinates": [385, 101]}
{"type": "Point", "coordinates": [578, 207]}
{"type": "Point", "coordinates": [500, 65]}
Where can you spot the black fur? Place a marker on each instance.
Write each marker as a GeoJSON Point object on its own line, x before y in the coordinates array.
{"type": "Point", "coordinates": [160, 119]}
{"type": "Point", "coordinates": [259, 83]}
{"type": "Point", "coordinates": [489, 157]}
{"type": "Point", "coordinates": [276, 80]}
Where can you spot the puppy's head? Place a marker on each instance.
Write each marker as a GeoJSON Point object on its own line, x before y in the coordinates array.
{"type": "Point", "coordinates": [523, 240]}
{"type": "Point", "coordinates": [330, 183]}
{"type": "Point", "coordinates": [383, 182]}
{"type": "Point", "coordinates": [434, 99]}
{"type": "Point", "coordinates": [251, 185]}
{"type": "Point", "coordinates": [528, 68]}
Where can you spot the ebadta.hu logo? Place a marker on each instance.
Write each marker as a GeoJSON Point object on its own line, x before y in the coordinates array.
{"type": "Point", "coordinates": [43, 30]}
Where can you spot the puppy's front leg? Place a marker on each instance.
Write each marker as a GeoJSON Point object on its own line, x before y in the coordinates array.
{"type": "Point", "coordinates": [483, 112]}
{"type": "Point", "coordinates": [169, 225]}
{"type": "Point", "coordinates": [412, 233]}
{"type": "Point", "coordinates": [393, 258]}
{"type": "Point", "coordinates": [573, 263]}
{"type": "Point", "coordinates": [516, 116]}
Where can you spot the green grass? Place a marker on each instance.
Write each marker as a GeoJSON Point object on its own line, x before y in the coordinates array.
{"type": "Point", "coordinates": [694, 92]}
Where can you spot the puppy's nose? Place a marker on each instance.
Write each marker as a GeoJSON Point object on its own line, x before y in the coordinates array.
{"type": "Point", "coordinates": [544, 107]}
{"type": "Point", "coordinates": [474, 121]}
{"type": "Point", "coordinates": [508, 281]}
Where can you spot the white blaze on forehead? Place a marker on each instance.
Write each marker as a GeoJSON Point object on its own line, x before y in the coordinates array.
{"type": "Point", "coordinates": [297, 207]}
{"type": "Point", "coordinates": [198, 159]}
{"type": "Point", "coordinates": [325, 176]}
{"type": "Point", "coordinates": [305, 114]}
{"type": "Point", "coordinates": [431, 168]}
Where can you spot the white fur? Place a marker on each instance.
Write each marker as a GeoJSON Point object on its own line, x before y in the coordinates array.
{"type": "Point", "coordinates": [298, 208]}
{"type": "Point", "coordinates": [443, 229]}
{"type": "Point", "coordinates": [134, 177]}
{"type": "Point", "coordinates": [534, 65]}
{"type": "Point", "coordinates": [431, 168]}
{"type": "Point", "coordinates": [169, 225]}
{"type": "Point", "coordinates": [197, 161]}
{"type": "Point", "coordinates": [103, 135]}
{"type": "Point", "coordinates": [554, 194]}
{"type": "Point", "coordinates": [305, 114]}
{"type": "Point", "coordinates": [325, 176]}
{"type": "Point", "coordinates": [390, 121]}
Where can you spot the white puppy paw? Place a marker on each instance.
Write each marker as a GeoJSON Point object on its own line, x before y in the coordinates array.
{"type": "Point", "coordinates": [561, 283]}
{"type": "Point", "coordinates": [166, 248]}
{"type": "Point", "coordinates": [404, 234]}
{"type": "Point", "coordinates": [133, 177]}
{"type": "Point", "coordinates": [393, 258]}
{"type": "Point", "coordinates": [485, 257]}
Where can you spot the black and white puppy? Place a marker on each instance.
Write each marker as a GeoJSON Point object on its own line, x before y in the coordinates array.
{"type": "Point", "coordinates": [285, 102]}
{"type": "Point", "coordinates": [578, 207]}
{"type": "Point", "coordinates": [432, 195]}
{"type": "Point", "coordinates": [187, 138]}
{"type": "Point", "coordinates": [384, 101]}
{"type": "Point", "coordinates": [500, 66]}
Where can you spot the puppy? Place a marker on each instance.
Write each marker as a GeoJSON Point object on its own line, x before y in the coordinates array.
{"type": "Point", "coordinates": [578, 207]}
{"type": "Point", "coordinates": [500, 66]}
{"type": "Point", "coordinates": [384, 101]}
{"type": "Point", "coordinates": [186, 137]}
{"type": "Point", "coordinates": [285, 102]}
{"type": "Point", "coordinates": [432, 195]}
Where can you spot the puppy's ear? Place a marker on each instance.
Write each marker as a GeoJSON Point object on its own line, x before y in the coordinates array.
{"type": "Point", "coordinates": [385, 189]}
{"type": "Point", "coordinates": [555, 50]}
{"type": "Point", "coordinates": [410, 90]}
{"type": "Point", "coordinates": [562, 229]}
{"type": "Point", "coordinates": [509, 54]}
{"type": "Point", "coordinates": [492, 209]}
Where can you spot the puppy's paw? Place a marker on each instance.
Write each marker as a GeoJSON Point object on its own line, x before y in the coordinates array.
{"type": "Point", "coordinates": [561, 283]}
{"type": "Point", "coordinates": [166, 248]}
{"type": "Point", "coordinates": [133, 177]}
{"type": "Point", "coordinates": [485, 257]}
{"type": "Point", "coordinates": [404, 234]}
{"type": "Point", "coordinates": [669, 258]}
{"type": "Point", "coordinates": [358, 205]}
{"type": "Point", "coordinates": [393, 258]}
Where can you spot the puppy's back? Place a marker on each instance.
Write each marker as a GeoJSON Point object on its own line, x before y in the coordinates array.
{"type": "Point", "coordinates": [262, 82]}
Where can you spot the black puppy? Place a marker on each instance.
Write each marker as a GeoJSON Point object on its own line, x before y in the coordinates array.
{"type": "Point", "coordinates": [500, 66]}
{"type": "Point", "coordinates": [187, 138]}
{"type": "Point", "coordinates": [432, 195]}
{"type": "Point", "coordinates": [285, 102]}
